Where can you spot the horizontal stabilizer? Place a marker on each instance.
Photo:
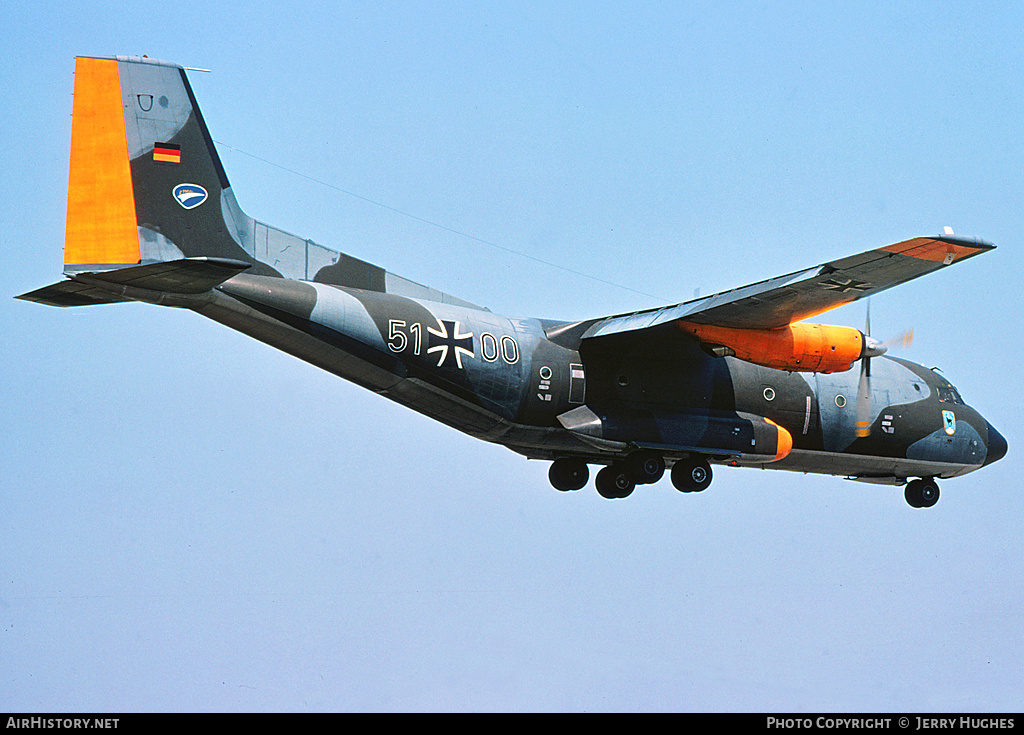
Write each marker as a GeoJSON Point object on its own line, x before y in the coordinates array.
{"type": "Point", "coordinates": [71, 293]}
{"type": "Point", "coordinates": [187, 276]}
{"type": "Point", "coordinates": [184, 276]}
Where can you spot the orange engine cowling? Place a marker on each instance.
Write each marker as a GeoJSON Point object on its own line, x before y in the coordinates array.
{"type": "Point", "coordinates": [812, 348]}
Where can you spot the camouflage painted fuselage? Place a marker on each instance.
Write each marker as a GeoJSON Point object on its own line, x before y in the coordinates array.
{"type": "Point", "coordinates": [515, 381]}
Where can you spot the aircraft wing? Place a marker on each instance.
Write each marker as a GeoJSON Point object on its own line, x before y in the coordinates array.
{"type": "Point", "coordinates": [780, 301]}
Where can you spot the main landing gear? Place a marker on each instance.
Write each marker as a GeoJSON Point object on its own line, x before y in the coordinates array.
{"type": "Point", "coordinates": [568, 473]}
{"type": "Point", "coordinates": [691, 475]}
{"type": "Point", "coordinates": [923, 493]}
{"type": "Point", "coordinates": [620, 478]}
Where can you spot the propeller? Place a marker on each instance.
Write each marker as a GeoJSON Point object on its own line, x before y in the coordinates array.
{"type": "Point", "coordinates": [873, 348]}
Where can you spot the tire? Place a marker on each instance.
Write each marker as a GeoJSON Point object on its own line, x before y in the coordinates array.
{"type": "Point", "coordinates": [646, 467]}
{"type": "Point", "coordinates": [928, 493]}
{"type": "Point", "coordinates": [691, 475]}
{"type": "Point", "coordinates": [568, 473]}
{"type": "Point", "coordinates": [923, 493]}
{"type": "Point", "coordinates": [614, 482]}
{"type": "Point", "coordinates": [911, 494]}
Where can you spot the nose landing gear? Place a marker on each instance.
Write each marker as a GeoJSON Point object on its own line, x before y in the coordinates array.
{"type": "Point", "coordinates": [923, 493]}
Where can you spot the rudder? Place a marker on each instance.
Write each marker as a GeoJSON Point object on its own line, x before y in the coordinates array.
{"type": "Point", "coordinates": [101, 223]}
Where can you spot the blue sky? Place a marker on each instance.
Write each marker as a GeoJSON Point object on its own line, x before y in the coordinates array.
{"type": "Point", "coordinates": [190, 520]}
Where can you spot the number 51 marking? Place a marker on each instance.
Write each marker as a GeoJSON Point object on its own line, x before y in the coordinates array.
{"type": "Point", "coordinates": [398, 340]}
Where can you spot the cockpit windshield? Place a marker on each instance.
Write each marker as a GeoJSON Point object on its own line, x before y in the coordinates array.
{"type": "Point", "coordinates": [948, 394]}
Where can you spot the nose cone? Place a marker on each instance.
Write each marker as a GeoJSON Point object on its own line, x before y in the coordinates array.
{"type": "Point", "coordinates": [996, 445]}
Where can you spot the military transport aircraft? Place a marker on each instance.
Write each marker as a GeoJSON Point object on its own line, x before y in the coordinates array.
{"type": "Point", "coordinates": [737, 378]}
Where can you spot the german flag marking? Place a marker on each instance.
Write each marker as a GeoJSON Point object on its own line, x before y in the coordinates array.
{"type": "Point", "coordinates": [167, 152]}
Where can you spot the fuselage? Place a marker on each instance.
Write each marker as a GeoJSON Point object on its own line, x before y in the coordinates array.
{"type": "Point", "coordinates": [535, 387]}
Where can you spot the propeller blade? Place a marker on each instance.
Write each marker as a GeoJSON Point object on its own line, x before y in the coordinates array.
{"type": "Point", "coordinates": [873, 348]}
{"type": "Point", "coordinates": [864, 398]}
{"type": "Point", "coordinates": [903, 341]}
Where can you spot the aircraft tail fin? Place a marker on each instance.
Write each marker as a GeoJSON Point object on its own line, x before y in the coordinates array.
{"type": "Point", "coordinates": [147, 186]}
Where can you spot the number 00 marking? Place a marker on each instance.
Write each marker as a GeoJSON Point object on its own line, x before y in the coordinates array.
{"type": "Point", "coordinates": [489, 348]}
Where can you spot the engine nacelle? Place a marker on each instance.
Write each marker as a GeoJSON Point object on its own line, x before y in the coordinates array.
{"type": "Point", "coordinates": [800, 347]}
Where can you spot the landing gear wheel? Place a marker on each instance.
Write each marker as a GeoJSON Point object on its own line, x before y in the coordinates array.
{"type": "Point", "coordinates": [614, 481]}
{"type": "Point", "coordinates": [691, 475]}
{"type": "Point", "coordinates": [929, 493]}
{"type": "Point", "coordinates": [646, 467]}
{"type": "Point", "coordinates": [910, 493]}
{"type": "Point", "coordinates": [568, 473]}
{"type": "Point", "coordinates": [922, 493]}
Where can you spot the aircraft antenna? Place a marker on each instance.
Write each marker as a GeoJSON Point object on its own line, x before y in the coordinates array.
{"type": "Point", "coordinates": [452, 230]}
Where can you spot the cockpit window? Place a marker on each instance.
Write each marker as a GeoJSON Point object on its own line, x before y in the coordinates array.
{"type": "Point", "coordinates": [948, 394]}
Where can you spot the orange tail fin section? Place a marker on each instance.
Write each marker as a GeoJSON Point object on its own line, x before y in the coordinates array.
{"type": "Point", "coordinates": [101, 223]}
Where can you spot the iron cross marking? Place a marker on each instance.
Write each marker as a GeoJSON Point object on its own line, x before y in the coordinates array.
{"type": "Point", "coordinates": [844, 285]}
{"type": "Point", "coordinates": [448, 341]}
